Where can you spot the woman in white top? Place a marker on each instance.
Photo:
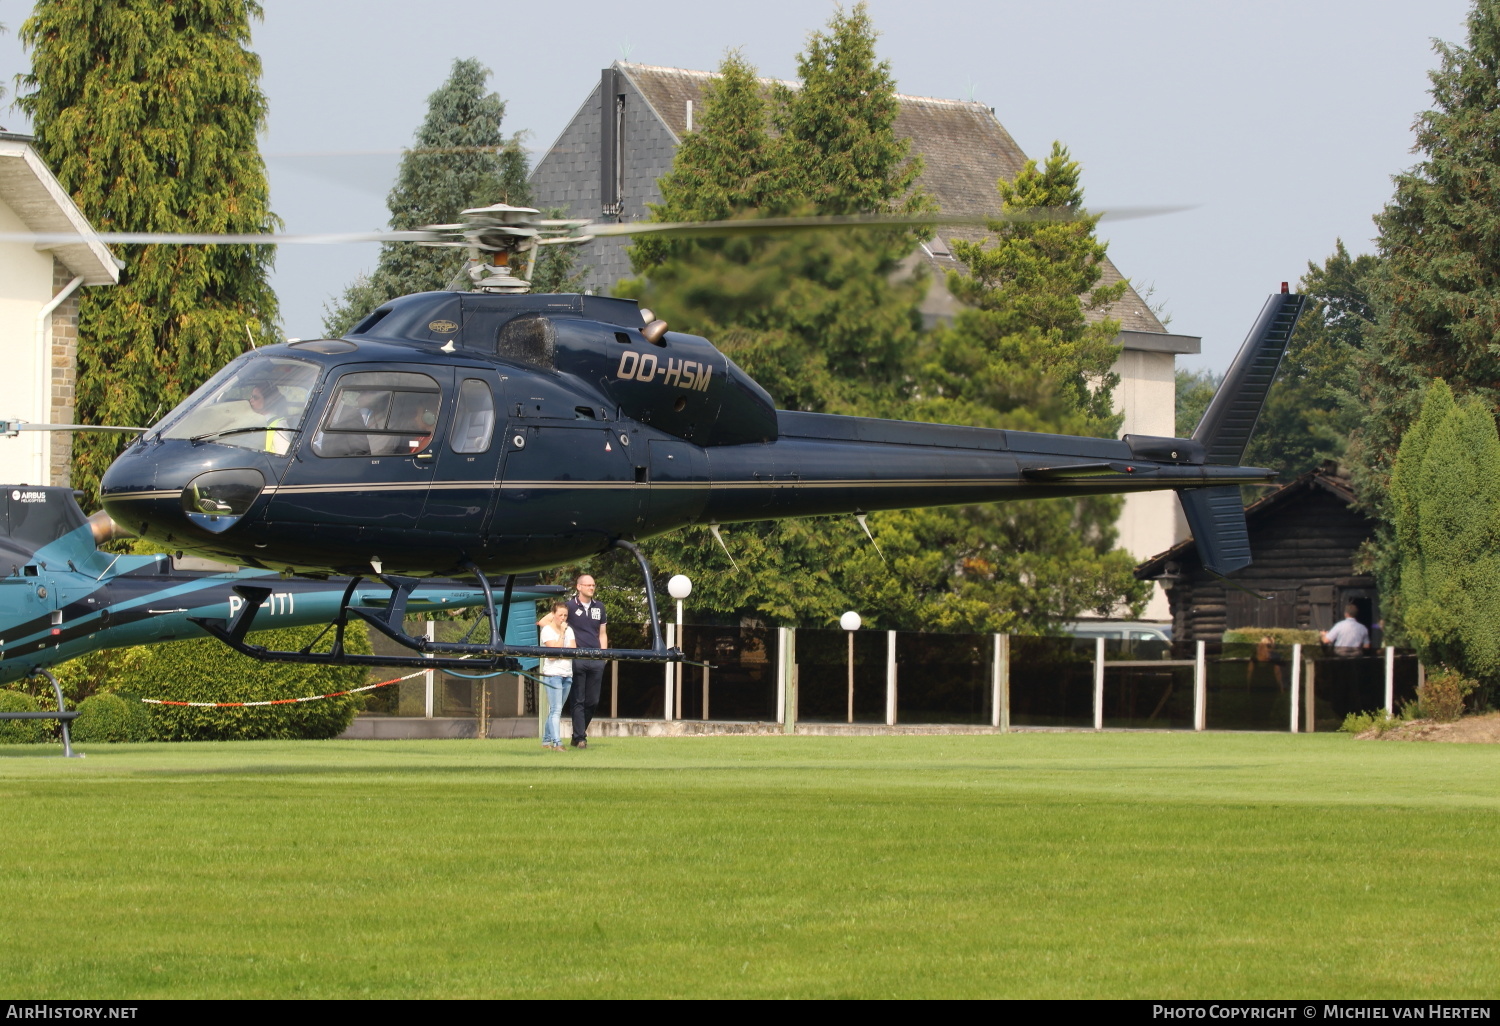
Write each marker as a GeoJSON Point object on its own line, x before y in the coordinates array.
{"type": "Point", "coordinates": [557, 674]}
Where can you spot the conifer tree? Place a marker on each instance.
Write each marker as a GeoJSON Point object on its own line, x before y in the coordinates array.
{"type": "Point", "coordinates": [460, 159]}
{"type": "Point", "coordinates": [148, 113]}
{"type": "Point", "coordinates": [1445, 511]}
{"type": "Point", "coordinates": [1436, 292]}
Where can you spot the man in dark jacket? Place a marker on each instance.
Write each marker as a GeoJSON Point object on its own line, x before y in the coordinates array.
{"type": "Point", "coordinates": [591, 630]}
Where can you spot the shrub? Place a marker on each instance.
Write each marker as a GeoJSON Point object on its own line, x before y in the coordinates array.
{"type": "Point", "coordinates": [1285, 637]}
{"type": "Point", "coordinates": [22, 732]}
{"type": "Point", "coordinates": [1377, 720]}
{"type": "Point", "coordinates": [1442, 696]}
{"type": "Point", "coordinates": [209, 671]}
{"type": "Point", "coordinates": [110, 718]}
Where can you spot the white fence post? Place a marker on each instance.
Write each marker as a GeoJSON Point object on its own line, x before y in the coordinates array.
{"type": "Point", "coordinates": [1390, 681]}
{"type": "Point", "coordinates": [671, 674]}
{"type": "Point", "coordinates": [890, 678]}
{"type": "Point", "coordinates": [1000, 714]}
{"type": "Point", "coordinates": [429, 676]}
{"type": "Point", "coordinates": [1098, 683]}
{"type": "Point", "coordinates": [1200, 688]}
{"type": "Point", "coordinates": [1296, 686]}
{"type": "Point", "coordinates": [781, 675]}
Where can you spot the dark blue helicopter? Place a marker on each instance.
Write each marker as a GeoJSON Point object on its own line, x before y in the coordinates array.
{"type": "Point", "coordinates": [494, 432]}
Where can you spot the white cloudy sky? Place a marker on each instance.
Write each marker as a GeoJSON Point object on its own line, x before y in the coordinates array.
{"type": "Point", "coordinates": [1280, 120]}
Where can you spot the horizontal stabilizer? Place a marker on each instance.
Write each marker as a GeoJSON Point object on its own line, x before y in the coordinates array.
{"type": "Point", "coordinates": [1230, 418]}
{"type": "Point", "coordinates": [1216, 516]}
{"type": "Point", "coordinates": [1069, 471]}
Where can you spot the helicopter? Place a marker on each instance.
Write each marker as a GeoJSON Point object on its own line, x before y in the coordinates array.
{"type": "Point", "coordinates": [494, 432]}
{"type": "Point", "coordinates": [63, 597]}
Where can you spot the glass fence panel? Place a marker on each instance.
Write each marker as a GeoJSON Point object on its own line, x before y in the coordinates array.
{"type": "Point", "coordinates": [1345, 684]}
{"type": "Point", "coordinates": [739, 682]}
{"type": "Point", "coordinates": [1248, 687]}
{"type": "Point", "coordinates": [823, 676]}
{"type": "Point", "coordinates": [1148, 697]}
{"type": "Point", "coordinates": [944, 678]}
{"type": "Point", "coordinates": [632, 691]}
{"type": "Point", "coordinates": [1051, 683]}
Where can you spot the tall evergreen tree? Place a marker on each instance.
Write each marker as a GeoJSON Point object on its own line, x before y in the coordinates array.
{"type": "Point", "coordinates": [148, 113]}
{"type": "Point", "coordinates": [1313, 406]}
{"type": "Point", "coordinates": [1445, 510]}
{"type": "Point", "coordinates": [460, 159]}
{"type": "Point", "coordinates": [1436, 292]}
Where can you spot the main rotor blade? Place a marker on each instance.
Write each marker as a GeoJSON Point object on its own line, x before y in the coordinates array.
{"type": "Point", "coordinates": [49, 239]}
{"type": "Point", "coordinates": [770, 225]}
{"type": "Point", "coordinates": [583, 230]}
{"type": "Point", "coordinates": [10, 427]}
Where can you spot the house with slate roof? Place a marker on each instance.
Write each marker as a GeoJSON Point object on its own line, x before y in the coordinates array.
{"type": "Point", "coordinates": [607, 161]}
{"type": "Point", "coordinates": [39, 312]}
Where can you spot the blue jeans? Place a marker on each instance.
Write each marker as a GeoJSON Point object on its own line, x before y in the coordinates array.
{"type": "Point", "coordinates": [557, 689]}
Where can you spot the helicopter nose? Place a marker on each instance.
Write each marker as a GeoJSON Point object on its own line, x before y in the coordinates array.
{"type": "Point", "coordinates": [142, 495]}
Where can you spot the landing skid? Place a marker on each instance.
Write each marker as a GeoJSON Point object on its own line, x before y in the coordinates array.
{"type": "Point", "coordinates": [388, 619]}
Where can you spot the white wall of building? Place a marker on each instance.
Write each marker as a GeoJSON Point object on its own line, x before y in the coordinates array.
{"type": "Point", "coordinates": [1151, 522]}
{"type": "Point", "coordinates": [25, 287]}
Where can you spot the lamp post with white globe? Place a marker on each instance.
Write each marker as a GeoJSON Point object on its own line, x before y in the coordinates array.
{"type": "Point", "coordinates": [850, 621]}
{"type": "Point", "coordinates": [679, 587]}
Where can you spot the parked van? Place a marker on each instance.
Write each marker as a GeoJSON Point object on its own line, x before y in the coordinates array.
{"type": "Point", "coordinates": [1139, 640]}
{"type": "Point", "coordinates": [1120, 630]}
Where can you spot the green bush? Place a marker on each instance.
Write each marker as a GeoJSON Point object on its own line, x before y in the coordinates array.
{"type": "Point", "coordinates": [22, 732]}
{"type": "Point", "coordinates": [1377, 720]}
{"type": "Point", "coordinates": [1442, 696]}
{"type": "Point", "coordinates": [111, 718]}
{"type": "Point", "coordinates": [1285, 637]}
{"type": "Point", "coordinates": [209, 671]}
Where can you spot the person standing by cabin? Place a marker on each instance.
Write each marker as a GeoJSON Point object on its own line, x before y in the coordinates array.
{"type": "Point", "coordinates": [1348, 637]}
{"type": "Point", "coordinates": [557, 674]}
{"type": "Point", "coordinates": [591, 627]}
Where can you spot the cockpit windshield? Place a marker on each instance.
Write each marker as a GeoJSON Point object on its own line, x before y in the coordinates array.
{"type": "Point", "coordinates": [255, 404]}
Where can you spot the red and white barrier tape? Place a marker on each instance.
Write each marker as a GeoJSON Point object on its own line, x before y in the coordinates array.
{"type": "Point", "coordinates": [283, 701]}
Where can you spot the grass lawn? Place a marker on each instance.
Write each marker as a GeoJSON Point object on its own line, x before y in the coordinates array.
{"type": "Point", "coordinates": [1029, 865]}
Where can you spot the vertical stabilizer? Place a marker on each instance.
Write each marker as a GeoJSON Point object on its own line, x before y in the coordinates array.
{"type": "Point", "coordinates": [1230, 418]}
{"type": "Point", "coordinates": [1216, 516]}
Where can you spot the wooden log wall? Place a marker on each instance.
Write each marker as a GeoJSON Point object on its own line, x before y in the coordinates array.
{"type": "Point", "coordinates": [1303, 550]}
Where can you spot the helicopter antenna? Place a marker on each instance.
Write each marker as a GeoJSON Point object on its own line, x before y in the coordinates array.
{"type": "Point", "coordinates": [713, 529]}
{"type": "Point", "coordinates": [861, 518]}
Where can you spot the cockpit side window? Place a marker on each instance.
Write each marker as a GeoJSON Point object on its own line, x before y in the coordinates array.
{"type": "Point", "coordinates": [474, 423]}
{"type": "Point", "coordinates": [383, 413]}
{"type": "Point", "coordinates": [257, 403]}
